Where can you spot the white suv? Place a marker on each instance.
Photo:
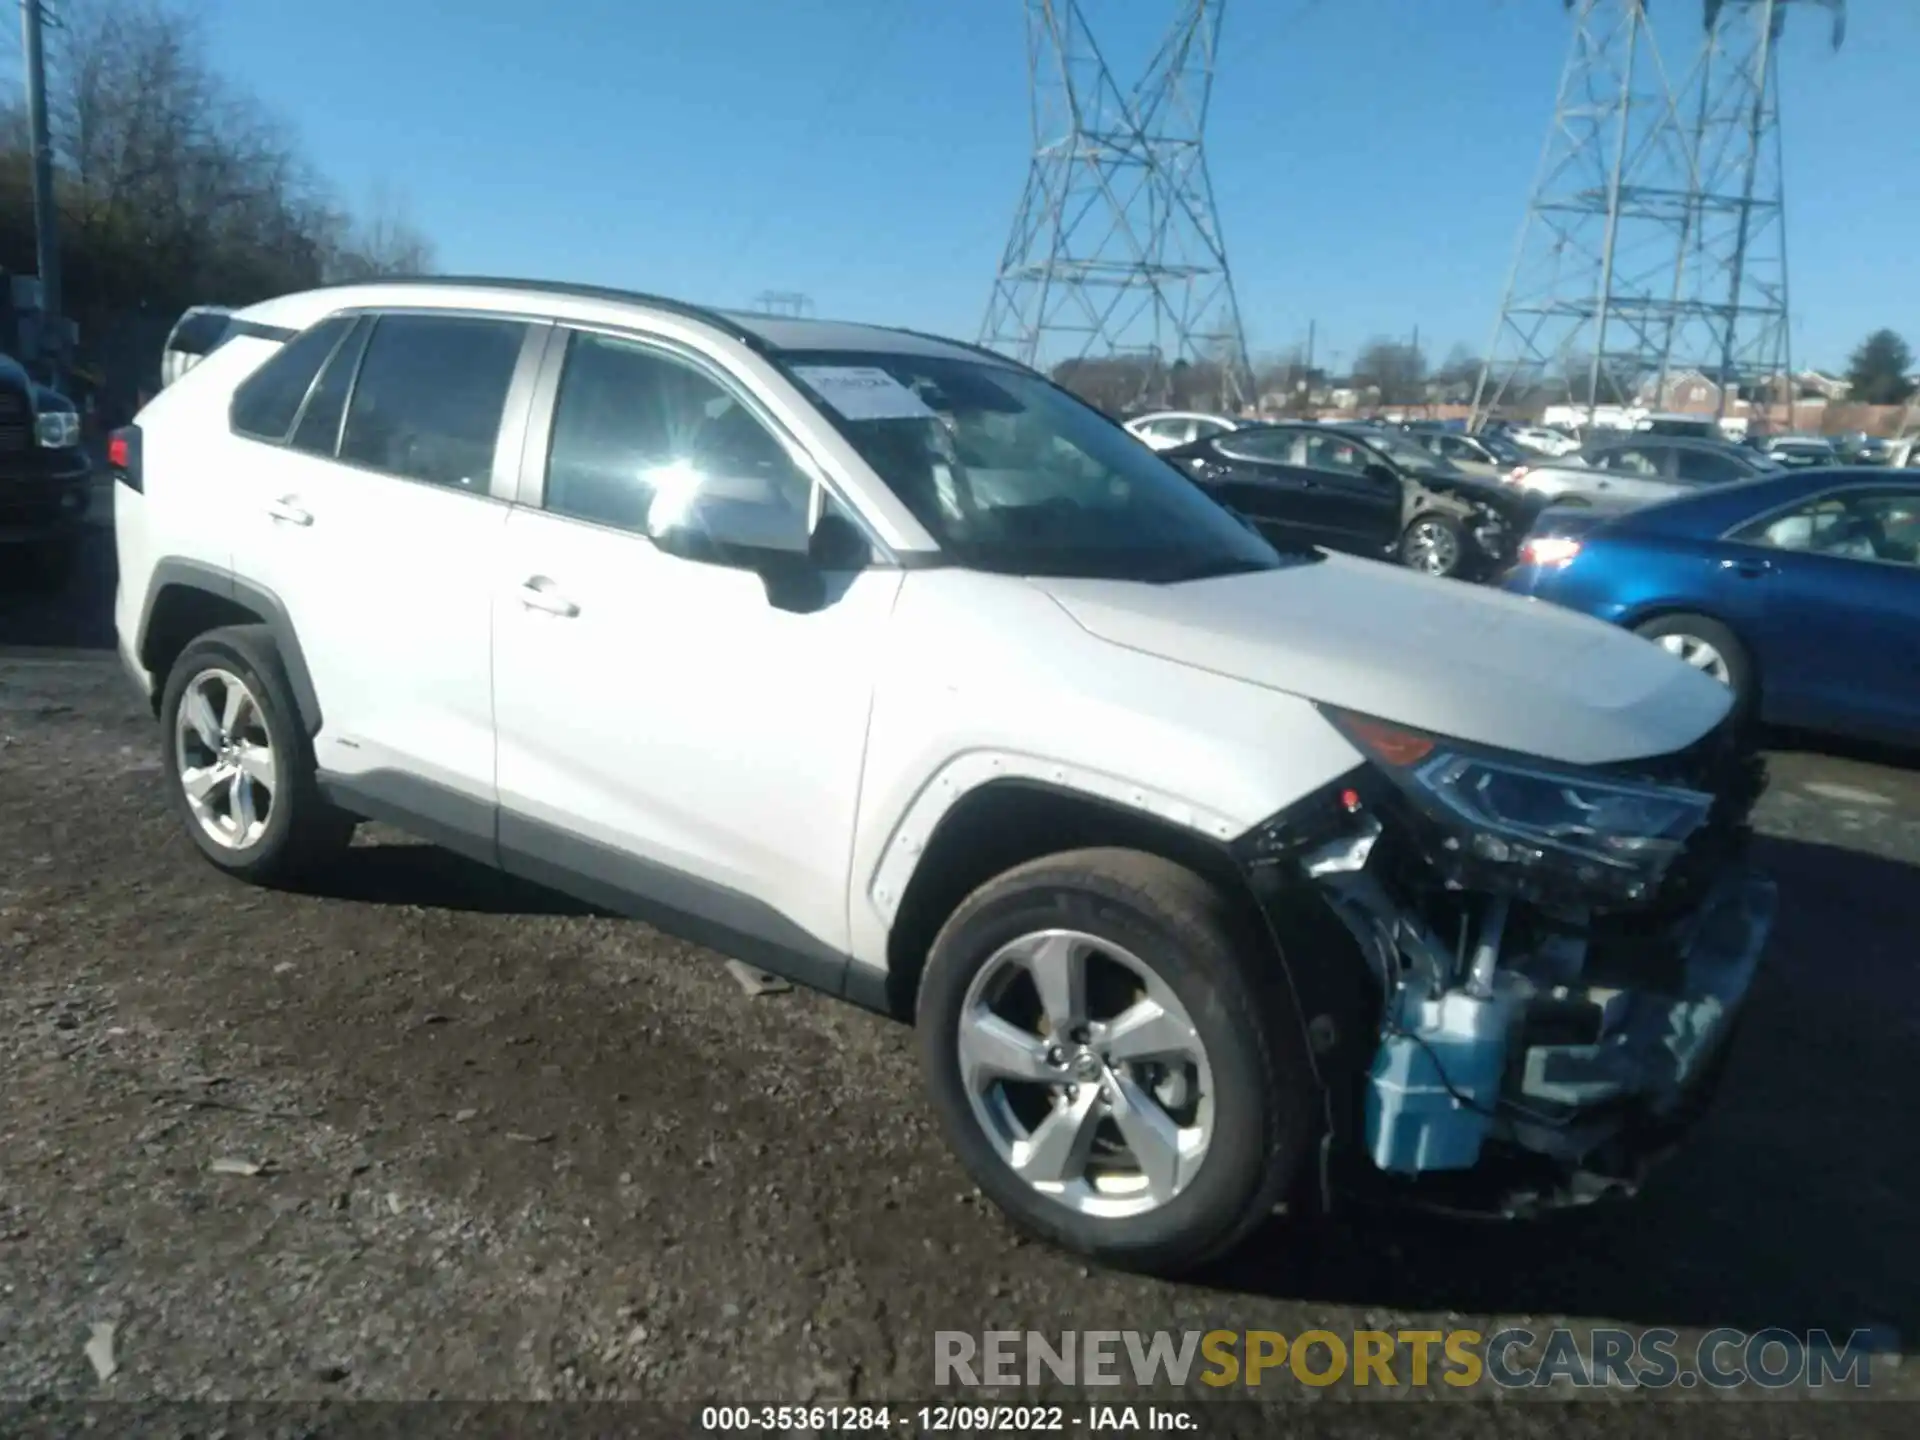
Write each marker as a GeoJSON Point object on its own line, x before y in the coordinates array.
{"type": "Point", "coordinates": [1212, 873]}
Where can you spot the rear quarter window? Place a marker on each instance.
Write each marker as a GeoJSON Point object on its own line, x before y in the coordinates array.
{"type": "Point", "coordinates": [266, 403]}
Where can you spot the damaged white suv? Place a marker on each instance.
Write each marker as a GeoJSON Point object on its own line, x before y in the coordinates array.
{"type": "Point", "coordinates": [1208, 870]}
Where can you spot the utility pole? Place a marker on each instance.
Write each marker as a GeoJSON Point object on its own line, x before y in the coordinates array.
{"type": "Point", "coordinates": [46, 216]}
{"type": "Point", "coordinates": [1306, 407]}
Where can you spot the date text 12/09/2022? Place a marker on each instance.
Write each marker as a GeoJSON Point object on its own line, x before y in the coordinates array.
{"type": "Point", "coordinates": [923, 1420]}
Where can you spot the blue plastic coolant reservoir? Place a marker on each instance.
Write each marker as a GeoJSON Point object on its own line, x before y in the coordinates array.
{"type": "Point", "coordinates": [1458, 1047]}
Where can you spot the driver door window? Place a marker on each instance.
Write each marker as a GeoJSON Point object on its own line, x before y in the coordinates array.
{"type": "Point", "coordinates": [640, 437]}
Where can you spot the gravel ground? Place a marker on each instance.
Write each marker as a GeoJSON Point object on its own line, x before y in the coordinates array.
{"type": "Point", "coordinates": [510, 1149]}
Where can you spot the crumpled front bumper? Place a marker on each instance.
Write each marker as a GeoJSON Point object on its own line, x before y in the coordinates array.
{"type": "Point", "coordinates": [1528, 1095]}
{"type": "Point", "coordinates": [1663, 1045]}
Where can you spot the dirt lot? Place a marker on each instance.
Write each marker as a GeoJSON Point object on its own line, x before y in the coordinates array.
{"type": "Point", "coordinates": [515, 1150]}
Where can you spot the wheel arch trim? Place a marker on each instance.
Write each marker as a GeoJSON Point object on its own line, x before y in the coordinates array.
{"type": "Point", "coordinates": [175, 572]}
{"type": "Point", "coordinates": [971, 772]}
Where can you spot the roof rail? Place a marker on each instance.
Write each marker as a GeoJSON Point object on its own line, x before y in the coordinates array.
{"type": "Point", "coordinates": [706, 314]}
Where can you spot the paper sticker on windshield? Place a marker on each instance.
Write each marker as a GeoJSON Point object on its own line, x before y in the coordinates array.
{"type": "Point", "coordinates": [864, 392]}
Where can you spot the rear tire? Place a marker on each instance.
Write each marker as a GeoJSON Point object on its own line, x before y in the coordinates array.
{"type": "Point", "coordinates": [239, 763]}
{"type": "Point", "coordinates": [1236, 1112]}
{"type": "Point", "coordinates": [1712, 649]}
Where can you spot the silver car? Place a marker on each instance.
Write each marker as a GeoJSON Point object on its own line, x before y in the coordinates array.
{"type": "Point", "coordinates": [1167, 429]}
{"type": "Point", "coordinates": [1639, 469]}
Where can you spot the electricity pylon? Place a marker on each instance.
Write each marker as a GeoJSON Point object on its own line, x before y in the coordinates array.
{"type": "Point", "coordinates": [1589, 302]}
{"type": "Point", "coordinates": [1656, 237]}
{"type": "Point", "coordinates": [1116, 247]}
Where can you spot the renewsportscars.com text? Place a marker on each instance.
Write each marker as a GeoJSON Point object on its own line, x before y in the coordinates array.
{"type": "Point", "coordinates": [1509, 1359]}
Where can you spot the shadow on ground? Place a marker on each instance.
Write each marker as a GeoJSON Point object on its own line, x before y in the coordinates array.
{"type": "Point", "coordinates": [407, 873]}
{"type": "Point", "coordinates": [1793, 1205]}
{"type": "Point", "coordinates": [77, 615]}
{"type": "Point", "coordinates": [1866, 752]}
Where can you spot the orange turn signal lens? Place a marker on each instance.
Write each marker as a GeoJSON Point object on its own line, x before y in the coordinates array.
{"type": "Point", "coordinates": [1388, 744]}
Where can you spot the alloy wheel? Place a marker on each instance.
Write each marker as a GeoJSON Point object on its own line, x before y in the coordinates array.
{"type": "Point", "coordinates": [1432, 548]}
{"type": "Point", "coordinates": [224, 756]}
{"type": "Point", "coordinates": [1700, 654]}
{"type": "Point", "coordinates": [1086, 1073]}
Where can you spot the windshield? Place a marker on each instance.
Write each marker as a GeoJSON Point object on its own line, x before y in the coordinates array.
{"type": "Point", "coordinates": [1013, 475]}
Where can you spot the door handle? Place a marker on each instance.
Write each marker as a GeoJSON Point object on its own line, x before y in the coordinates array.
{"type": "Point", "coordinates": [285, 509]}
{"type": "Point", "coordinates": [539, 594]}
{"type": "Point", "coordinates": [1747, 569]}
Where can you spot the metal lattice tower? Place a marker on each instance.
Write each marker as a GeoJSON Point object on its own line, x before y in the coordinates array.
{"type": "Point", "coordinates": [1116, 246]}
{"type": "Point", "coordinates": [1732, 270]}
{"type": "Point", "coordinates": [1656, 240]}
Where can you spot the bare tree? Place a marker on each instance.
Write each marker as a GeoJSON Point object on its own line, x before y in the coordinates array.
{"type": "Point", "coordinates": [382, 241]}
{"type": "Point", "coordinates": [1396, 369]}
{"type": "Point", "coordinates": [175, 186]}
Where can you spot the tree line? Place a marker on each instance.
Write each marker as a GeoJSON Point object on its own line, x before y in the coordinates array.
{"type": "Point", "coordinates": [175, 185]}
{"type": "Point", "coordinates": [1397, 374]}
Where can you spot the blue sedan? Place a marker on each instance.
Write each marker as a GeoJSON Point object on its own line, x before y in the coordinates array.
{"type": "Point", "coordinates": [1799, 591]}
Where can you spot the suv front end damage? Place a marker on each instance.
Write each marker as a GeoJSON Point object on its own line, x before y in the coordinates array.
{"type": "Point", "coordinates": [1556, 958]}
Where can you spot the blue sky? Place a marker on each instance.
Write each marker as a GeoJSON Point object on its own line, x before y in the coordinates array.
{"type": "Point", "coordinates": [1372, 157]}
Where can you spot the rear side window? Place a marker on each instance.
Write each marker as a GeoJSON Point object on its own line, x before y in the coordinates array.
{"type": "Point", "coordinates": [318, 432]}
{"type": "Point", "coordinates": [1276, 446]}
{"type": "Point", "coordinates": [267, 401]}
{"type": "Point", "coordinates": [1704, 467]}
{"type": "Point", "coordinates": [428, 402]}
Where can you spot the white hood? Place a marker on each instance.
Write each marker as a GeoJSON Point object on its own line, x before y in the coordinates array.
{"type": "Point", "coordinates": [1476, 664]}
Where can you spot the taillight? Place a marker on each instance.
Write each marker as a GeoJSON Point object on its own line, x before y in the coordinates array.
{"type": "Point", "coordinates": [1518, 474]}
{"type": "Point", "coordinates": [1549, 552]}
{"type": "Point", "coordinates": [123, 457]}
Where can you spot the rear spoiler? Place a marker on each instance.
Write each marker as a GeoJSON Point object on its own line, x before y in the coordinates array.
{"type": "Point", "coordinates": [200, 333]}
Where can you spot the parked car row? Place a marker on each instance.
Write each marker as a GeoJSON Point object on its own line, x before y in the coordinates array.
{"type": "Point", "coordinates": [1797, 589]}
{"type": "Point", "coordinates": [1371, 492]}
{"type": "Point", "coordinates": [1792, 581]}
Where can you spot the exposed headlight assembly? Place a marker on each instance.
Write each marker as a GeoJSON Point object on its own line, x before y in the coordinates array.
{"type": "Point", "coordinates": [57, 429]}
{"type": "Point", "coordinates": [1513, 822]}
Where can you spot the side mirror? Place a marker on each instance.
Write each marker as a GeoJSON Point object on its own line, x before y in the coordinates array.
{"type": "Point", "coordinates": [1381, 473]}
{"type": "Point", "coordinates": [719, 529]}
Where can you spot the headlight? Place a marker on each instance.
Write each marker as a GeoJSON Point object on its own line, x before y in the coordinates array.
{"type": "Point", "coordinates": [57, 429]}
{"type": "Point", "coordinates": [1527, 820]}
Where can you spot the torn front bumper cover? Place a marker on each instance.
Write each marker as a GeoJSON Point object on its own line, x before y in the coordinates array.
{"type": "Point", "coordinates": [1521, 1090]}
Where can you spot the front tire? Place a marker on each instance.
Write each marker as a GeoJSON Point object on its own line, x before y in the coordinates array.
{"type": "Point", "coordinates": [1710, 648]}
{"type": "Point", "coordinates": [1435, 544]}
{"type": "Point", "coordinates": [1109, 1063]}
{"type": "Point", "coordinates": [240, 766]}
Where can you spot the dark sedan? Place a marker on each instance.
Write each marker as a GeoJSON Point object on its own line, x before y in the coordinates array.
{"type": "Point", "coordinates": [1368, 492]}
{"type": "Point", "coordinates": [1800, 591]}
